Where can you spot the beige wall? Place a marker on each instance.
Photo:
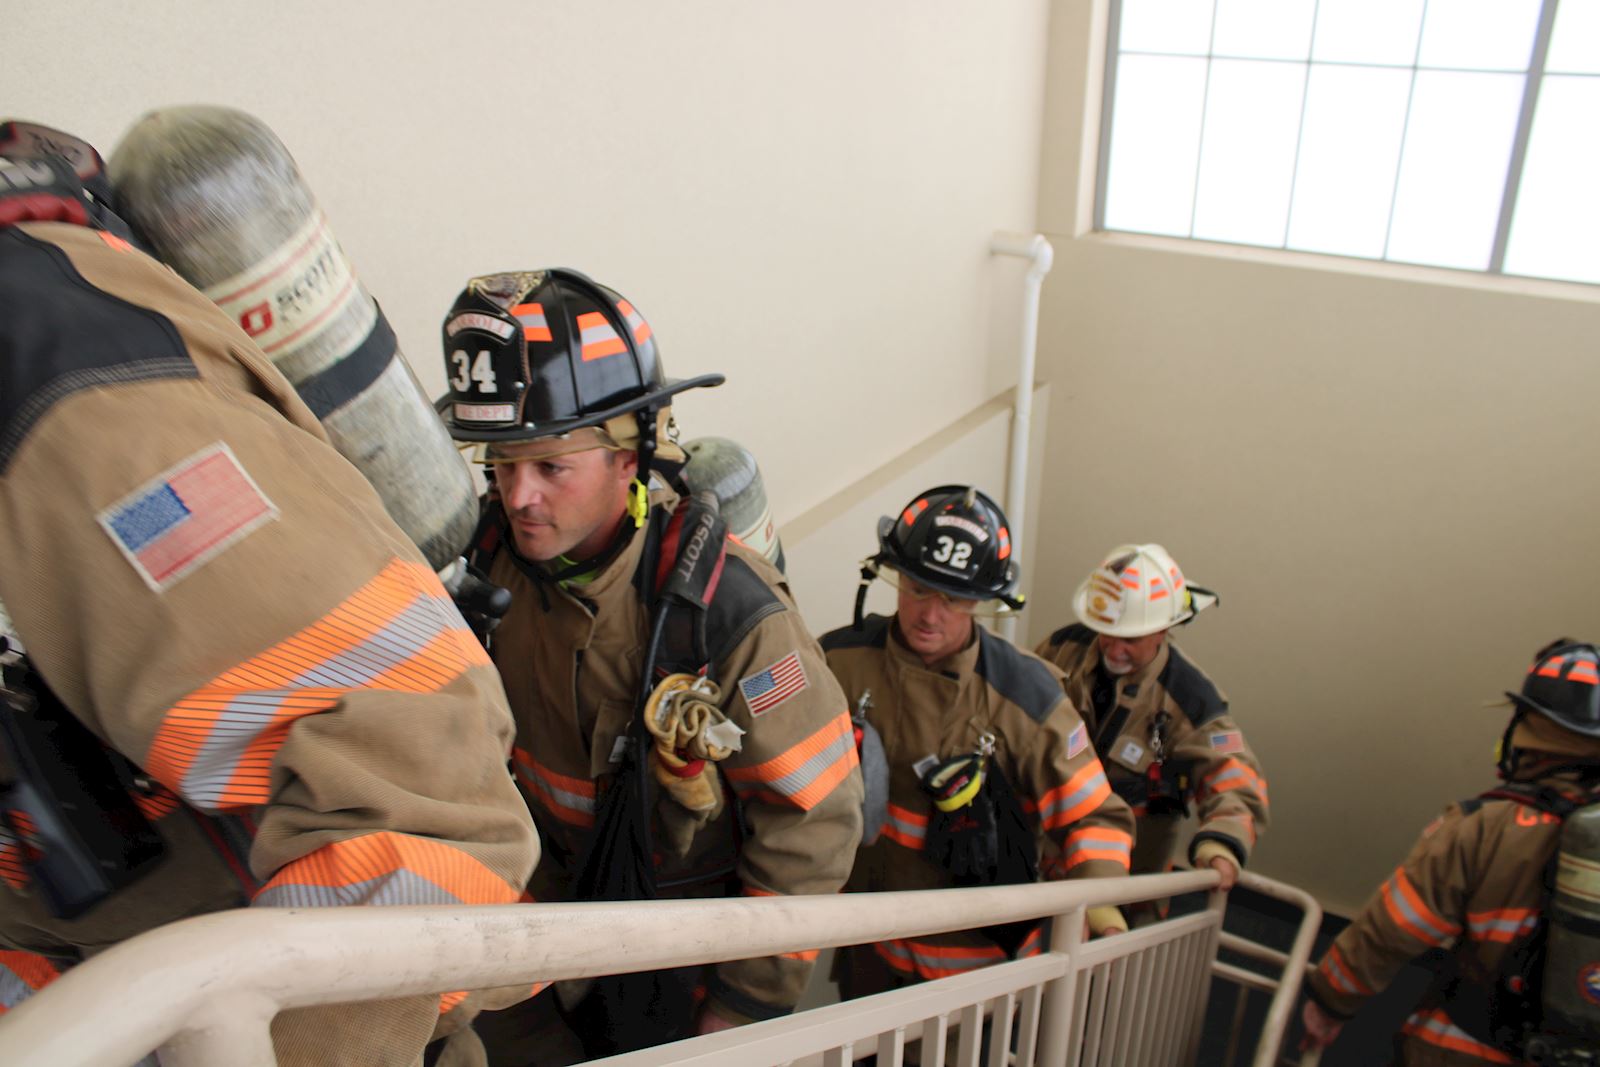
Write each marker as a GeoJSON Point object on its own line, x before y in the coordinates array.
{"type": "Point", "coordinates": [800, 196]}
{"type": "Point", "coordinates": [1388, 473]}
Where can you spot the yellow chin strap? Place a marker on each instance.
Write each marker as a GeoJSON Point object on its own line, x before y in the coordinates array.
{"type": "Point", "coordinates": [638, 502]}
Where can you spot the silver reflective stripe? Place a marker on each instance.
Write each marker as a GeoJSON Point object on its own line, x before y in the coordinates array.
{"type": "Point", "coordinates": [565, 798]}
{"type": "Point", "coordinates": [250, 714]}
{"type": "Point", "coordinates": [396, 887]}
{"type": "Point", "coordinates": [795, 782]}
{"type": "Point", "coordinates": [1072, 800]}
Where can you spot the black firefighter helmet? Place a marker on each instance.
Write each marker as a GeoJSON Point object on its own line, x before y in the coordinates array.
{"type": "Point", "coordinates": [531, 354]}
{"type": "Point", "coordinates": [1563, 685]}
{"type": "Point", "coordinates": [952, 538]}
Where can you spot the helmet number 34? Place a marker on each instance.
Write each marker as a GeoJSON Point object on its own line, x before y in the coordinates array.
{"type": "Point", "coordinates": [949, 550]}
{"type": "Point", "coordinates": [471, 369]}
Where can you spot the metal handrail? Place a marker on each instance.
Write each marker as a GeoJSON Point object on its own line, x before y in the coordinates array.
{"type": "Point", "coordinates": [188, 985]}
{"type": "Point", "coordinates": [206, 989]}
{"type": "Point", "coordinates": [1294, 964]}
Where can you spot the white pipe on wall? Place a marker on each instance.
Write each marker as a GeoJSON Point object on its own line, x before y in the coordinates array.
{"type": "Point", "coordinates": [1032, 247]}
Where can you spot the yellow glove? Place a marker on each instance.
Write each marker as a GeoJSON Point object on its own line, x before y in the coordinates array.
{"type": "Point", "coordinates": [691, 734]}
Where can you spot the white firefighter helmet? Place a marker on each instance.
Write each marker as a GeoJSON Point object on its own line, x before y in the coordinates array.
{"type": "Point", "coordinates": [1138, 590]}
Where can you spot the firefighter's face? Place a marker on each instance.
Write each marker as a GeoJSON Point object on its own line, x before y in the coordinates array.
{"type": "Point", "coordinates": [1124, 655]}
{"type": "Point", "coordinates": [932, 624]}
{"type": "Point", "coordinates": [565, 504]}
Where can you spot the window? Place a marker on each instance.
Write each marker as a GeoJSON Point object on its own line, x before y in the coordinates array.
{"type": "Point", "coordinates": [1451, 133]}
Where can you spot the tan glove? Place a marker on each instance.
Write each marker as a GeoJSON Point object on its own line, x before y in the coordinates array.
{"type": "Point", "coordinates": [691, 734]}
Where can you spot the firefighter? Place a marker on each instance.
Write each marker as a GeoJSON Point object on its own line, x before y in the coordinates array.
{"type": "Point", "coordinates": [1477, 884]}
{"type": "Point", "coordinates": [1159, 724]}
{"type": "Point", "coordinates": [961, 712]}
{"type": "Point", "coordinates": [559, 382]}
{"type": "Point", "coordinates": [221, 599]}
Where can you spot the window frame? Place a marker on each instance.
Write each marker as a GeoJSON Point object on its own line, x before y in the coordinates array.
{"type": "Point", "coordinates": [1533, 82]}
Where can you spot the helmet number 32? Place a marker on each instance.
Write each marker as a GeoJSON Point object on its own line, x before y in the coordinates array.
{"type": "Point", "coordinates": [471, 369]}
{"type": "Point", "coordinates": [949, 550]}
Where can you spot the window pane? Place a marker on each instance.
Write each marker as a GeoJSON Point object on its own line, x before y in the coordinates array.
{"type": "Point", "coordinates": [1349, 151]}
{"type": "Point", "coordinates": [1179, 26]}
{"type": "Point", "coordinates": [1264, 29]}
{"type": "Point", "coordinates": [1453, 171]}
{"type": "Point", "coordinates": [1575, 40]}
{"type": "Point", "coordinates": [1247, 158]}
{"type": "Point", "coordinates": [1367, 31]}
{"type": "Point", "coordinates": [1479, 34]}
{"type": "Point", "coordinates": [1155, 144]}
{"type": "Point", "coordinates": [1556, 230]}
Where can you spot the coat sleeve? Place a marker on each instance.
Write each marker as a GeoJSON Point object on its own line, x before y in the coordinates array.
{"type": "Point", "coordinates": [1229, 791]}
{"type": "Point", "coordinates": [302, 675]}
{"type": "Point", "coordinates": [1420, 906]}
{"type": "Point", "coordinates": [1065, 786]}
{"type": "Point", "coordinates": [799, 785]}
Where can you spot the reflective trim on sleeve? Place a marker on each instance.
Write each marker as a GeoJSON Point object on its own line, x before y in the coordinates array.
{"type": "Point", "coordinates": [1064, 805]}
{"type": "Point", "coordinates": [567, 798]}
{"type": "Point", "coordinates": [906, 828]}
{"type": "Point", "coordinates": [1435, 1028]}
{"type": "Point", "coordinates": [1406, 907]}
{"type": "Point", "coordinates": [806, 773]}
{"type": "Point", "coordinates": [1232, 774]}
{"type": "Point", "coordinates": [22, 974]}
{"type": "Point", "coordinates": [1339, 975]}
{"type": "Point", "coordinates": [385, 868]}
{"type": "Point", "coordinates": [400, 632]}
{"type": "Point", "coordinates": [1504, 925]}
{"type": "Point", "coordinates": [1097, 843]}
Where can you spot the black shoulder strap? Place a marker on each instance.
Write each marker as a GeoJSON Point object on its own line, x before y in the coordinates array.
{"type": "Point", "coordinates": [1545, 798]}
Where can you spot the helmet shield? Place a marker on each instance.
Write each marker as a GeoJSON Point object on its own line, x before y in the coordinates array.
{"type": "Point", "coordinates": [1563, 685]}
{"type": "Point", "coordinates": [532, 354]}
{"type": "Point", "coordinates": [953, 539]}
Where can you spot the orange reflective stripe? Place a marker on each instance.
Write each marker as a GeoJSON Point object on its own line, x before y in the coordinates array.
{"type": "Point", "coordinates": [567, 798]}
{"type": "Point", "coordinates": [807, 772]}
{"type": "Point", "coordinates": [1435, 1028]}
{"type": "Point", "coordinates": [450, 1000]}
{"type": "Point", "coordinates": [1230, 775]}
{"type": "Point", "coordinates": [1406, 907]}
{"type": "Point", "coordinates": [534, 325]}
{"type": "Point", "coordinates": [641, 329]}
{"type": "Point", "coordinates": [1097, 843]}
{"type": "Point", "coordinates": [905, 827]}
{"type": "Point", "coordinates": [597, 337]}
{"type": "Point", "coordinates": [385, 868]}
{"type": "Point", "coordinates": [1340, 976]}
{"type": "Point", "coordinates": [1064, 805]}
{"type": "Point", "coordinates": [930, 961]}
{"type": "Point", "coordinates": [910, 514]}
{"type": "Point", "coordinates": [399, 632]}
{"type": "Point", "coordinates": [23, 974]}
{"type": "Point", "coordinates": [1504, 925]}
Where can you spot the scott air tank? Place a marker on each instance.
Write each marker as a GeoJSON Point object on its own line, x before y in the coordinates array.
{"type": "Point", "coordinates": [727, 469]}
{"type": "Point", "coordinates": [1571, 990]}
{"type": "Point", "coordinates": [220, 200]}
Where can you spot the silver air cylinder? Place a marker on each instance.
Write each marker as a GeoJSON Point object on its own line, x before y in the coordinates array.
{"type": "Point", "coordinates": [1571, 993]}
{"type": "Point", "coordinates": [221, 201]}
{"type": "Point", "coordinates": [727, 469]}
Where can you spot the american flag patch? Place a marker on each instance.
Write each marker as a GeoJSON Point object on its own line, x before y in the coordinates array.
{"type": "Point", "coordinates": [766, 689]}
{"type": "Point", "coordinates": [1228, 741]}
{"type": "Point", "coordinates": [186, 516]}
{"type": "Point", "coordinates": [1077, 740]}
